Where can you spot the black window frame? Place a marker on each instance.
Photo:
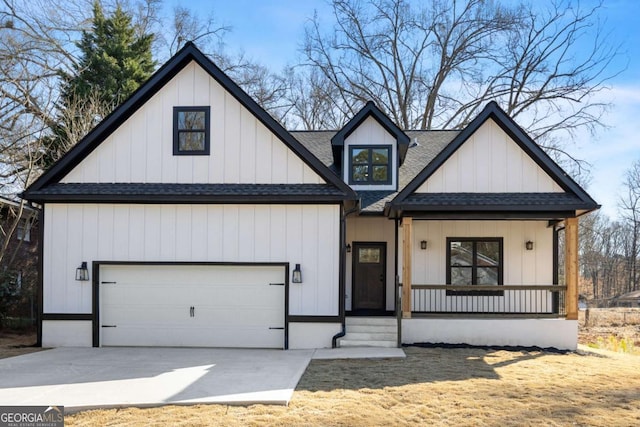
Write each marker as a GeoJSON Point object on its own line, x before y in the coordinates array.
{"type": "Point", "coordinates": [474, 266]}
{"type": "Point", "coordinates": [207, 131]}
{"type": "Point", "coordinates": [370, 164]}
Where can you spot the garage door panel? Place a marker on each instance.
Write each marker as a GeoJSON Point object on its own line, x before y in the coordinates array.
{"type": "Point", "coordinates": [204, 316]}
{"type": "Point", "coordinates": [257, 296]}
{"type": "Point", "coordinates": [192, 305]}
{"type": "Point", "coordinates": [187, 337]}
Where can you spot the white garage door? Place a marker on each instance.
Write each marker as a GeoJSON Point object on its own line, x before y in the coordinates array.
{"type": "Point", "coordinates": [192, 305]}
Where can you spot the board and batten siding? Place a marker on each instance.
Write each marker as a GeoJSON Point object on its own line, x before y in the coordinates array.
{"type": "Point", "coordinates": [243, 150]}
{"type": "Point", "coordinates": [489, 162]}
{"type": "Point", "coordinates": [303, 234]}
{"type": "Point", "coordinates": [363, 230]}
{"type": "Point", "coordinates": [521, 267]}
{"type": "Point", "coordinates": [368, 133]}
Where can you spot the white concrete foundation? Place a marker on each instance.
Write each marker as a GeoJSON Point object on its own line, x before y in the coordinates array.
{"type": "Point", "coordinates": [67, 333]}
{"type": "Point", "coordinates": [312, 335]}
{"type": "Point", "coordinates": [555, 333]}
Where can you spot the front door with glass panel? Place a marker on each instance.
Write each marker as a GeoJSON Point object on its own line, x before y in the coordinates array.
{"type": "Point", "coordinates": [369, 277]}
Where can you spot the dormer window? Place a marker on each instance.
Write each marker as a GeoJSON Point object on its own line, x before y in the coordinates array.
{"type": "Point", "coordinates": [370, 165]}
{"type": "Point", "coordinates": [191, 131]}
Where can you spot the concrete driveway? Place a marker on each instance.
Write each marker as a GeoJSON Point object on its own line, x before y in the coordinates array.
{"type": "Point", "coordinates": [83, 378]}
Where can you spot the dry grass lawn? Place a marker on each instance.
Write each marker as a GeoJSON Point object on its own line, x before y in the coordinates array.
{"type": "Point", "coordinates": [431, 386]}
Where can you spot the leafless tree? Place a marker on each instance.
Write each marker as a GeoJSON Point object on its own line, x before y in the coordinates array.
{"type": "Point", "coordinates": [186, 25]}
{"type": "Point", "coordinates": [313, 101]}
{"type": "Point", "coordinates": [630, 212]}
{"type": "Point", "coordinates": [435, 64]}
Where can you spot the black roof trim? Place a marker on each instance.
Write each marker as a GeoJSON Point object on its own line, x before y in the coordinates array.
{"type": "Point", "coordinates": [369, 110]}
{"type": "Point", "coordinates": [189, 193]}
{"type": "Point", "coordinates": [165, 73]}
{"type": "Point", "coordinates": [493, 202]}
{"type": "Point", "coordinates": [485, 216]}
{"type": "Point", "coordinates": [507, 124]}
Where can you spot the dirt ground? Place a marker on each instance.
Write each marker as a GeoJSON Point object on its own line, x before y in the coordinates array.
{"type": "Point", "coordinates": [432, 386]}
{"type": "Point", "coordinates": [603, 325]}
{"type": "Point", "coordinates": [15, 344]}
{"type": "Point", "coordinates": [589, 335]}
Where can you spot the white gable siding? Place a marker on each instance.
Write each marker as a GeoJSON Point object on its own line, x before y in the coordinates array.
{"type": "Point", "coordinates": [243, 150]}
{"type": "Point", "coordinates": [307, 235]}
{"type": "Point", "coordinates": [489, 162]}
{"type": "Point", "coordinates": [370, 132]}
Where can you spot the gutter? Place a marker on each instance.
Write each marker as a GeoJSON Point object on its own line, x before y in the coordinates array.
{"type": "Point", "coordinates": [343, 269]}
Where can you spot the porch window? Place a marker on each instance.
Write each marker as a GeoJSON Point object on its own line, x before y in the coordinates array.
{"type": "Point", "coordinates": [370, 165]}
{"type": "Point", "coordinates": [191, 131]}
{"type": "Point", "coordinates": [474, 261]}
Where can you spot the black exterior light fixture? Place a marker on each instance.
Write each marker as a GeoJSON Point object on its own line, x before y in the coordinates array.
{"type": "Point", "coordinates": [348, 248]}
{"type": "Point", "coordinates": [423, 245]}
{"type": "Point", "coordinates": [296, 277]}
{"type": "Point", "coordinates": [82, 272]}
{"type": "Point", "coordinates": [529, 245]}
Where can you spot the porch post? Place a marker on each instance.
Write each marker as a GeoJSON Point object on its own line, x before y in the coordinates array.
{"type": "Point", "coordinates": [571, 267]}
{"type": "Point", "coordinates": [407, 240]}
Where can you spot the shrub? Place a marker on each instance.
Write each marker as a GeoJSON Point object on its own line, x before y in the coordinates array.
{"type": "Point", "coordinates": [613, 343]}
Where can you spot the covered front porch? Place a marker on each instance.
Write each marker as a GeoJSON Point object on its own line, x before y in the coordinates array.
{"type": "Point", "coordinates": [488, 282]}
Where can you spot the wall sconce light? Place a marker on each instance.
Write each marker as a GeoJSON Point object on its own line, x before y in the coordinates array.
{"type": "Point", "coordinates": [348, 248]}
{"type": "Point", "coordinates": [423, 244]}
{"type": "Point", "coordinates": [529, 245]}
{"type": "Point", "coordinates": [296, 277]}
{"type": "Point", "coordinates": [82, 273]}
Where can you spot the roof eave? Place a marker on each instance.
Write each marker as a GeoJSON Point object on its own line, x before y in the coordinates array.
{"type": "Point", "coordinates": [190, 198]}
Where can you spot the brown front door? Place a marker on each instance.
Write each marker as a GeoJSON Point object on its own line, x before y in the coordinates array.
{"type": "Point", "coordinates": [369, 273]}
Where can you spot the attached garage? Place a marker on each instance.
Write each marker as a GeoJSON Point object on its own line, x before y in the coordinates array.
{"type": "Point", "coordinates": [192, 305]}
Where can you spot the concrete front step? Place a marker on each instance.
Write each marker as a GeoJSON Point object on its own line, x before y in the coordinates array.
{"type": "Point", "coordinates": [351, 343]}
{"type": "Point", "coordinates": [373, 329]}
{"type": "Point", "coordinates": [379, 321]}
{"type": "Point", "coordinates": [370, 332]}
{"type": "Point", "coordinates": [370, 336]}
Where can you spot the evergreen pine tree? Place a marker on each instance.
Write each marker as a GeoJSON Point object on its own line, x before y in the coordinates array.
{"type": "Point", "coordinates": [114, 61]}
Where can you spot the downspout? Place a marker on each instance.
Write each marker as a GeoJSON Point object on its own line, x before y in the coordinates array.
{"type": "Point", "coordinates": [343, 270]}
{"type": "Point", "coordinates": [397, 287]}
{"type": "Point", "coordinates": [40, 290]}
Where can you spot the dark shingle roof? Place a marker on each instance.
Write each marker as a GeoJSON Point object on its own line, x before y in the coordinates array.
{"type": "Point", "coordinates": [492, 201]}
{"type": "Point", "coordinates": [424, 147]}
{"type": "Point", "coordinates": [176, 193]}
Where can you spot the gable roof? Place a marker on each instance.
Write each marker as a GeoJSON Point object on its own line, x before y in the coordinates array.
{"type": "Point", "coordinates": [581, 200]}
{"type": "Point", "coordinates": [158, 80]}
{"type": "Point", "coordinates": [369, 110]}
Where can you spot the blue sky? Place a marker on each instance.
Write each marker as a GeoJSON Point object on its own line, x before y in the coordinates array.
{"type": "Point", "coordinates": [270, 32]}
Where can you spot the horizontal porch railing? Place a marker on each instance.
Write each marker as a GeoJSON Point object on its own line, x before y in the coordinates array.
{"type": "Point", "coordinates": [516, 300]}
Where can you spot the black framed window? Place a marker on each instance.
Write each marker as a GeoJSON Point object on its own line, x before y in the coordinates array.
{"type": "Point", "coordinates": [191, 131]}
{"type": "Point", "coordinates": [370, 165]}
{"type": "Point", "coordinates": [474, 261]}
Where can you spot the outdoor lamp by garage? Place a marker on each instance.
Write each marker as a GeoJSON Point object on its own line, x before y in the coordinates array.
{"type": "Point", "coordinates": [82, 273]}
{"type": "Point", "coordinates": [296, 277]}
